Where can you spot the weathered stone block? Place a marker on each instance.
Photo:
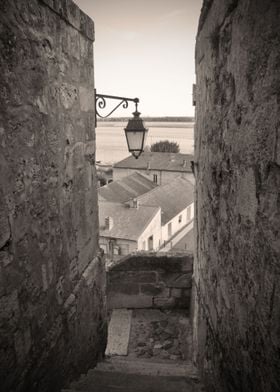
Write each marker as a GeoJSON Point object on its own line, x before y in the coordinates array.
{"type": "Point", "coordinates": [132, 276]}
{"type": "Point", "coordinates": [163, 302]}
{"type": "Point", "coordinates": [155, 290]}
{"type": "Point", "coordinates": [177, 280]}
{"type": "Point", "coordinates": [155, 262]}
{"type": "Point", "coordinates": [86, 99]}
{"type": "Point", "coordinates": [115, 301]}
{"type": "Point", "coordinates": [125, 288]}
{"type": "Point", "coordinates": [176, 293]}
{"type": "Point", "coordinates": [68, 95]}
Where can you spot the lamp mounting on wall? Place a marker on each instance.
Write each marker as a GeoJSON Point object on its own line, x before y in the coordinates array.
{"type": "Point", "coordinates": [135, 130]}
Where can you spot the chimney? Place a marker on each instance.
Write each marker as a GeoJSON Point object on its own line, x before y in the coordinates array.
{"type": "Point", "coordinates": [133, 203]}
{"type": "Point", "coordinates": [109, 223]}
{"type": "Point", "coordinates": [185, 163]}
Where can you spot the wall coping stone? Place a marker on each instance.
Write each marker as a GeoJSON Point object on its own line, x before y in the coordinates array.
{"type": "Point", "coordinates": [73, 15]}
{"type": "Point", "coordinates": [153, 261]}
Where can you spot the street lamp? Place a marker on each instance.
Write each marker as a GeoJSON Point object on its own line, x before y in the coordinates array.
{"type": "Point", "coordinates": [135, 131]}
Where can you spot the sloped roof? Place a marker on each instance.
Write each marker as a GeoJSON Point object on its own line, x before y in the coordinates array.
{"type": "Point", "coordinates": [158, 161]}
{"type": "Point", "coordinates": [128, 223]}
{"type": "Point", "coordinates": [172, 198]}
{"type": "Point", "coordinates": [126, 188]}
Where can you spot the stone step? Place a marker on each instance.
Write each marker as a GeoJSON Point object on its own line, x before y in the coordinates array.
{"type": "Point", "coordinates": [110, 381]}
{"type": "Point", "coordinates": [123, 371]}
{"type": "Point", "coordinates": [148, 368]}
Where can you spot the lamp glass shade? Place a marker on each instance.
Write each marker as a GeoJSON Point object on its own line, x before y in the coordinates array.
{"type": "Point", "coordinates": [136, 135]}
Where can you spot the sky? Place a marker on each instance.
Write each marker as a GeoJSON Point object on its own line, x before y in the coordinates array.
{"type": "Point", "coordinates": [145, 49]}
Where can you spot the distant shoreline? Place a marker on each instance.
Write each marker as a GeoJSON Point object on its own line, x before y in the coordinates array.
{"type": "Point", "coordinates": [149, 124]}
{"type": "Point", "coordinates": [170, 119]}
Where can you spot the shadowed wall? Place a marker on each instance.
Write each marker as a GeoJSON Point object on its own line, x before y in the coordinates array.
{"type": "Point", "coordinates": [51, 275]}
{"type": "Point", "coordinates": [237, 155]}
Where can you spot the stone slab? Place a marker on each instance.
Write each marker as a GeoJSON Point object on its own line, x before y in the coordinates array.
{"type": "Point", "coordinates": [118, 332]}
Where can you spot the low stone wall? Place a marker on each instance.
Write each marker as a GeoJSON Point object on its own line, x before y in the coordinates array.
{"type": "Point", "coordinates": [150, 280]}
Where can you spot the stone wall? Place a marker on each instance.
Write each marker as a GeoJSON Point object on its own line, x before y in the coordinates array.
{"type": "Point", "coordinates": [51, 275]}
{"type": "Point", "coordinates": [237, 165]}
{"type": "Point", "coordinates": [150, 280]}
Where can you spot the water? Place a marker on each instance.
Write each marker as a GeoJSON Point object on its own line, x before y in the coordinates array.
{"type": "Point", "coordinates": [111, 142]}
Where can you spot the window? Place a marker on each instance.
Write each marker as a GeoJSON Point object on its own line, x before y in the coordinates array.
{"type": "Point", "coordinates": [151, 243]}
{"type": "Point", "coordinates": [117, 250]}
{"type": "Point", "coordinates": [169, 229]}
{"type": "Point", "coordinates": [180, 219]}
{"type": "Point", "coordinates": [155, 178]}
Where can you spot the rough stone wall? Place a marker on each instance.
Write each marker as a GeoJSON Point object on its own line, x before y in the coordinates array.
{"type": "Point", "coordinates": [51, 275]}
{"type": "Point", "coordinates": [237, 165]}
{"type": "Point", "coordinates": [150, 280]}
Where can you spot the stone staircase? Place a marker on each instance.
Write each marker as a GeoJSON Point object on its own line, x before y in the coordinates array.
{"type": "Point", "coordinates": [138, 376]}
{"type": "Point", "coordinates": [134, 370]}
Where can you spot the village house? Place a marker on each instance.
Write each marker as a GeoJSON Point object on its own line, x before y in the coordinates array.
{"type": "Point", "coordinates": [157, 219]}
{"type": "Point", "coordinates": [159, 167]}
{"type": "Point", "coordinates": [176, 200]}
{"type": "Point", "coordinates": [125, 228]}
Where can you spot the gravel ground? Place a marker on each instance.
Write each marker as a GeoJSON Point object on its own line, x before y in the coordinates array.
{"type": "Point", "coordinates": [160, 335]}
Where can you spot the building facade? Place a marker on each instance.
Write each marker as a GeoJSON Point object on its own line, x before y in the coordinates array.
{"type": "Point", "coordinates": [128, 227]}
{"type": "Point", "coordinates": [154, 220]}
{"type": "Point", "coordinates": [159, 167]}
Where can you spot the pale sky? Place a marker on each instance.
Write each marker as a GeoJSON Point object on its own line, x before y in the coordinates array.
{"type": "Point", "coordinates": [145, 49]}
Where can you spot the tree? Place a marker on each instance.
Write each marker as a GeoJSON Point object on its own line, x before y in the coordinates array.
{"type": "Point", "coordinates": [165, 146]}
{"type": "Point", "coordinates": [101, 179]}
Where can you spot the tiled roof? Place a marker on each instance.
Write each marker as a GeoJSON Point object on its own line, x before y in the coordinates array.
{"type": "Point", "coordinates": [128, 223]}
{"type": "Point", "coordinates": [126, 188]}
{"type": "Point", "coordinates": [158, 161]}
{"type": "Point", "coordinates": [172, 198]}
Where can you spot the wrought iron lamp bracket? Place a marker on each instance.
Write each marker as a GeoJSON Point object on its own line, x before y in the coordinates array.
{"type": "Point", "coordinates": [101, 102]}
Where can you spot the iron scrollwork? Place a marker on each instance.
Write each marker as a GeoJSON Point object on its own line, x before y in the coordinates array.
{"type": "Point", "coordinates": [100, 103]}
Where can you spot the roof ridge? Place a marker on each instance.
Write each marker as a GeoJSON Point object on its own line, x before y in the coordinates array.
{"type": "Point", "coordinates": [148, 154]}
